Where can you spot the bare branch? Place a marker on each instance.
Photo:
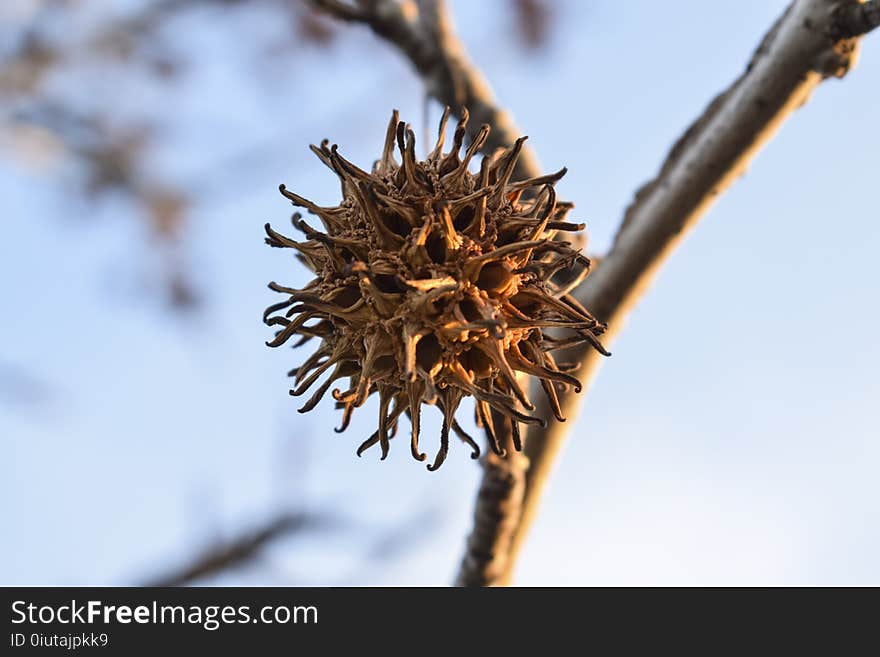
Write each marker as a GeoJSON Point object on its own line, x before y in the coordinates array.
{"type": "Point", "coordinates": [423, 32]}
{"type": "Point", "coordinates": [798, 53]}
{"type": "Point", "coordinates": [237, 552]}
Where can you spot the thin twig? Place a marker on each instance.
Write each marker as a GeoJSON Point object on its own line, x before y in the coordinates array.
{"type": "Point", "coordinates": [424, 33]}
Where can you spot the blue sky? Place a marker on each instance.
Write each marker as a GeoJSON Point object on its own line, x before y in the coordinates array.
{"type": "Point", "coordinates": [731, 439]}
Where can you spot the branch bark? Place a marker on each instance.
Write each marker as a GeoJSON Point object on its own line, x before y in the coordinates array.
{"type": "Point", "coordinates": [496, 515]}
{"type": "Point", "coordinates": [238, 551]}
{"type": "Point", "coordinates": [423, 32]}
{"type": "Point", "coordinates": [802, 49]}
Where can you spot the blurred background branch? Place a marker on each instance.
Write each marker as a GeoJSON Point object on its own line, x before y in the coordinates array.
{"type": "Point", "coordinates": [242, 549]}
{"type": "Point", "coordinates": [52, 124]}
{"type": "Point", "coordinates": [248, 547]}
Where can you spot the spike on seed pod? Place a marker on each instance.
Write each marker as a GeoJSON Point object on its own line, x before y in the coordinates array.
{"type": "Point", "coordinates": [433, 284]}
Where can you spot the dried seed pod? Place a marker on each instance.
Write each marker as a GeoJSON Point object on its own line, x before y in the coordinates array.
{"type": "Point", "coordinates": [433, 283]}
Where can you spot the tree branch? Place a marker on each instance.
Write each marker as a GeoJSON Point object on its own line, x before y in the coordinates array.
{"type": "Point", "coordinates": [496, 512]}
{"type": "Point", "coordinates": [802, 49]}
{"type": "Point", "coordinates": [811, 41]}
{"type": "Point", "coordinates": [423, 32]}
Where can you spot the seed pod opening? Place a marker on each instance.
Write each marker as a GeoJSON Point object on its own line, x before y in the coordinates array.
{"type": "Point", "coordinates": [432, 284]}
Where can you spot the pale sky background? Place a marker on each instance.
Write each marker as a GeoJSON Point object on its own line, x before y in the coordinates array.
{"type": "Point", "coordinates": [731, 439]}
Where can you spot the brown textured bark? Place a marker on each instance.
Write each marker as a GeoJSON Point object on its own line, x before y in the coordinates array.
{"type": "Point", "coordinates": [496, 516]}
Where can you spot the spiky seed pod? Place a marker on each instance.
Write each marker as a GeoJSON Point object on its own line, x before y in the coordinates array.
{"type": "Point", "coordinates": [433, 283]}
